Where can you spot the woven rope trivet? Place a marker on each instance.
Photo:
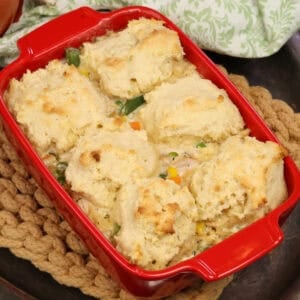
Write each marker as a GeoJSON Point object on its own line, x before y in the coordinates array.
{"type": "Point", "coordinates": [32, 229]}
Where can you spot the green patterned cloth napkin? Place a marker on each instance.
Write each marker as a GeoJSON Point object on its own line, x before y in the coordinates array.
{"type": "Point", "coordinates": [243, 28]}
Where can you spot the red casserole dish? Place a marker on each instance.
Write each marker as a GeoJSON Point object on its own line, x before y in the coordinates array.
{"type": "Point", "coordinates": [236, 252]}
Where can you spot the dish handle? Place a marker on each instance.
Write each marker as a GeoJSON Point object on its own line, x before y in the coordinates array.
{"type": "Point", "coordinates": [64, 31]}
{"type": "Point", "coordinates": [239, 250]}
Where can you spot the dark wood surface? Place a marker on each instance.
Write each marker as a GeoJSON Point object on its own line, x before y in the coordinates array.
{"type": "Point", "coordinates": [275, 276]}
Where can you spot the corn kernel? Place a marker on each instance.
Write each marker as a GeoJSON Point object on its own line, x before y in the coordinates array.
{"type": "Point", "coordinates": [172, 172]}
{"type": "Point", "coordinates": [83, 72]}
{"type": "Point", "coordinates": [200, 227]}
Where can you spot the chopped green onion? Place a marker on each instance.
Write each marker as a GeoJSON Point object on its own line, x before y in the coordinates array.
{"type": "Point", "coordinates": [73, 56]}
{"type": "Point", "coordinates": [201, 145]}
{"type": "Point", "coordinates": [116, 229]}
{"type": "Point", "coordinates": [173, 154]}
{"type": "Point", "coordinates": [119, 103]}
{"type": "Point", "coordinates": [132, 104]}
{"type": "Point", "coordinates": [60, 172]}
{"type": "Point", "coordinates": [163, 175]}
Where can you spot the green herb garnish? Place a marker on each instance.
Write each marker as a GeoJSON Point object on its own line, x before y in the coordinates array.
{"type": "Point", "coordinates": [201, 145]}
{"type": "Point", "coordinates": [119, 103]}
{"type": "Point", "coordinates": [163, 175]}
{"type": "Point", "coordinates": [60, 171]}
{"type": "Point", "coordinates": [72, 56]}
{"type": "Point", "coordinates": [116, 229]}
{"type": "Point", "coordinates": [173, 154]}
{"type": "Point", "coordinates": [130, 105]}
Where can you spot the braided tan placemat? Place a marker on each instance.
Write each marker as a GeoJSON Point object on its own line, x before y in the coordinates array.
{"type": "Point", "coordinates": [32, 229]}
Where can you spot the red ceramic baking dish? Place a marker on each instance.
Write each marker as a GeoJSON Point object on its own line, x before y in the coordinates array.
{"type": "Point", "coordinates": [236, 252]}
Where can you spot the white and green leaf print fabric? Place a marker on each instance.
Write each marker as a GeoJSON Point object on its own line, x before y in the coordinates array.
{"type": "Point", "coordinates": [243, 28]}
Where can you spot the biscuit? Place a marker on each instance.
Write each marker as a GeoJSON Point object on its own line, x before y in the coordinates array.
{"type": "Point", "coordinates": [132, 61]}
{"type": "Point", "coordinates": [104, 160]}
{"type": "Point", "coordinates": [246, 176]}
{"type": "Point", "coordinates": [157, 218]}
{"type": "Point", "coordinates": [190, 108]}
{"type": "Point", "coordinates": [55, 105]}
